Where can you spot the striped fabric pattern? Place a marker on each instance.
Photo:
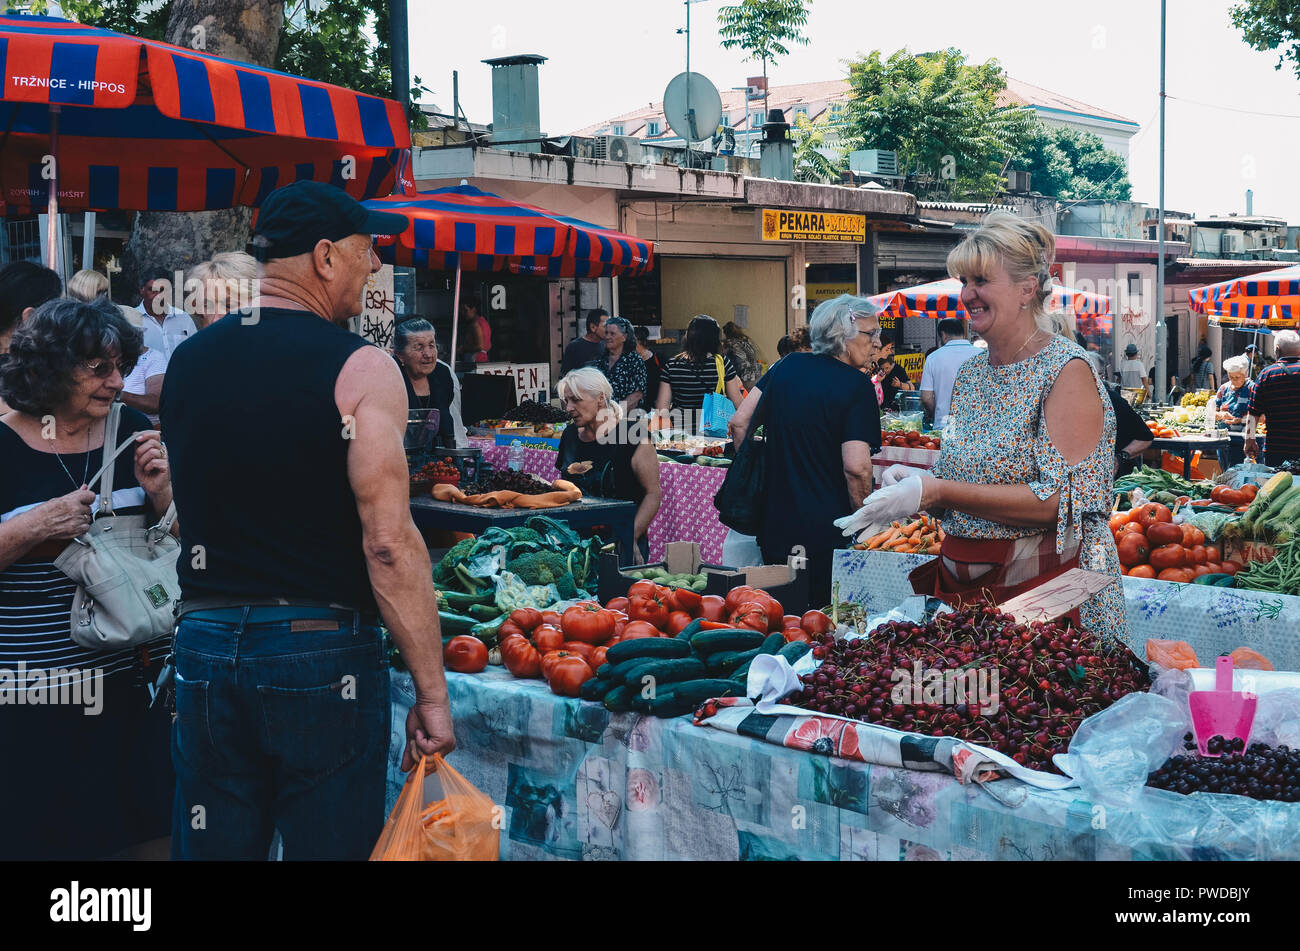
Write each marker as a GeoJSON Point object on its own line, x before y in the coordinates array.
{"type": "Point", "coordinates": [940, 299]}
{"type": "Point", "coordinates": [479, 231]}
{"type": "Point", "coordinates": [141, 125]}
{"type": "Point", "coordinates": [1272, 297]}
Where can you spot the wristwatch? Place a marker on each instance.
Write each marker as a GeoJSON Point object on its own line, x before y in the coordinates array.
{"type": "Point", "coordinates": [1127, 456]}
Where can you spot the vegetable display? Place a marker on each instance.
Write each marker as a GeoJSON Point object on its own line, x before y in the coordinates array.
{"type": "Point", "coordinates": [1281, 574]}
{"type": "Point", "coordinates": [540, 552]}
{"type": "Point", "coordinates": [696, 582]}
{"type": "Point", "coordinates": [1260, 772]}
{"type": "Point", "coordinates": [1271, 515]}
{"type": "Point", "coordinates": [1150, 545]}
{"type": "Point", "coordinates": [911, 439]}
{"type": "Point", "coordinates": [1154, 481]}
{"type": "Point", "coordinates": [1050, 678]}
{"type": "Point", "coordinates": [920, 535]}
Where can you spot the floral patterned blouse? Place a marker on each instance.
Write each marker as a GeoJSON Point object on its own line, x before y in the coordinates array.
{"type": "Point", "coordinates": [627, 375]}
{"type": "Point", "coordinates": [997, 436]}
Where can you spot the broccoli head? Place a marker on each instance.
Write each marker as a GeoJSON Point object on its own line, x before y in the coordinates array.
{"type": "Point", "coordinates": [541, 567]}
{"type": "Point", "coordinates": [443, 572]}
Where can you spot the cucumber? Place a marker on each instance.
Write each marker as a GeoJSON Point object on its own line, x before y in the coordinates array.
{"type": "Point", "coordinates": [729, 639]}
{"type": "Point", "coordinates": [658, 647]}
{"type": "Point", "coordinates": [683, 698]}
{"type": "Point", "coordinates": [665, 671]}
{"type": "Point", "coordinates": [484, 612]}
{"type": "Point", "coordinates": [595, 689]}
{"type": "Point", "coordinates": [794, 650]}
{"type": "Point", "coordinates": [458, 601]}
{"type": "Point", "coordinates": [689, 631]}
{"type": "Point", "coordinates": [620, 699]}
{"type": "Point", "coordinates": [456, 623]}
{"type": "Point", "coordinates": [724, 662]}
{"type": "Point", "coordinates": [486, 631]}
{"type": "Point", "coordinates": [772, 645]}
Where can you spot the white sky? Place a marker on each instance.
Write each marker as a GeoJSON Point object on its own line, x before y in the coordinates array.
{"type": "Point", "coordinates": [608, 57]}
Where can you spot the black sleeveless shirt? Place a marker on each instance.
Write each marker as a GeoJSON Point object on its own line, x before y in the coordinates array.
{"type": "Point", "coordinates": [258, 457]}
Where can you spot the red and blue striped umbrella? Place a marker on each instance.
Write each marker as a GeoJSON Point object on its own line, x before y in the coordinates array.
{"type": "Point", "coordinates": [1270, 296]}
{"type": "Point", "coordinates": [473, 230]}
{"type": "Point", "coordinates": [940, 299]}
{"type": "Point", "coordinates": [138, 125]}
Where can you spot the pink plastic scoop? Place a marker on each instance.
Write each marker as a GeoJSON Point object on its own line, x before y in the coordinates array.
{"type": "Point", "coordinates": [1223, 711]}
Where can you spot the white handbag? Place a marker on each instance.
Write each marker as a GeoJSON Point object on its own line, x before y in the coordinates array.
{"type": "Point", "coordinates": [124, 568]}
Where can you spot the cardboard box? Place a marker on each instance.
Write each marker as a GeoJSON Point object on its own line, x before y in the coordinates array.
{"type": "Point", "coordinates": [788, 585]}
{"type": "Point", "coordinates": [679, 557]}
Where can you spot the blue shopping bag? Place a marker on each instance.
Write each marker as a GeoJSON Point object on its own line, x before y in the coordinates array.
{"type": "Point", "coordinates": [718, 409]}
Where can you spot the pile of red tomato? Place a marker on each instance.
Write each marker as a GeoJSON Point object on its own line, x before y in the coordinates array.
{"type": "Point", "coordinates": [566, 649]}
{"type": "Point", "coordinates": [1150, 545]}
{"type": "Point", "coordinates": [910, 439]}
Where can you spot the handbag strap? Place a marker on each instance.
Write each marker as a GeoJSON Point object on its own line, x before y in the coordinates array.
{"type": "Point", "coordinates": [722, 373]}
{"type": "Point", "coordinates": [105, 475]}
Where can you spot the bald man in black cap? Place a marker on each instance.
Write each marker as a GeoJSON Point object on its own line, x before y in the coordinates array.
{"type": "Point", "coordinates": [285, 435]}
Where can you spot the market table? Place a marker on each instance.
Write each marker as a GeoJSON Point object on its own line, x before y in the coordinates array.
{"type": "Point", "coordinates": [585, 513]}
{"type": "Point", "coordinates": [579, 782]}
{"type": "Point", "coordinates": [1185, 446]}
{"type": "Point", "coordinates": [686, 510]}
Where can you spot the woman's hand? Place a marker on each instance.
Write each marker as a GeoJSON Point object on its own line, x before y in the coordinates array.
{"type": "Point", "coordinates": [67, 516]}
{"type": "Point", "coordinates": [152, 469]}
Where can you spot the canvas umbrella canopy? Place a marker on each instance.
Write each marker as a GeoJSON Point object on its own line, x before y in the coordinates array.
{"type": "Point", "coordinates": [1270, 296]}
{"type": "Point", "coordinates": [97, 120]}
{"type": "Point", "coordinates": [940, 299]}
{"type": "Point", "coordinates": [463, 228]}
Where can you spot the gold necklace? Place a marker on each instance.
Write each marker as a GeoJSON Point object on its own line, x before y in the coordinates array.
{"type": "Point", "coordinates": [1036, 332]}
{"type": "Point", "coordinates": [86, 474]}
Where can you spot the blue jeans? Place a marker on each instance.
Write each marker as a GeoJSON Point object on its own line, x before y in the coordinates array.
{"type": "Point", "coordinates": [279, 729]}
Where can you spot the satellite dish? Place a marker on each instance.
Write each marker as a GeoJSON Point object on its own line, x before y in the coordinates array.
{"type": "Point", "coordinates": [692, 106]}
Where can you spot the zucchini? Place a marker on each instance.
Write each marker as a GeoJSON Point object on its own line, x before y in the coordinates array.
{"type": "Point", "coordinates": [486, 631]}
{"type": "Point", "coordinates": [683, 698]}
{"type": "Point", "coordinates": [724, 662]}
{"type": "Point", "coordinates": [484, 612]}
{"type": "Point", "coordinates": [794, 650]}
{"type": "Point", "coordinates": [456, 623]}
{"type": "Point", "coordinates": [659, 647]}
{"type": "Point", "coordinates": [727, 639]}
{"type": "Point", "coordinates": [689, 631]}
{"type": "Point", "coordinates": [664, 671]}
{"type": "Point", "coordinates": [458, 601]}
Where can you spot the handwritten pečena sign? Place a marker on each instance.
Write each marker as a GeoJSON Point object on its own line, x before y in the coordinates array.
{"type": "Point", "coordinates": [531, 379]}
{"type": "Point", "coordinates": [778, 225]}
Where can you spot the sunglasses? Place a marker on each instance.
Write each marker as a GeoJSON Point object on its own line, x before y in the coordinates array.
{"type": "Point", "coordinates": [103, 369]}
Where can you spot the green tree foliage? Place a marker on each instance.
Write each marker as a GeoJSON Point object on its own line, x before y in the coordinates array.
{"type": "Point", "coordinates": [1073, 165]}
{"type": "Point", "coordinates": [1269, 25]}
{"type": "Point", "coordinates": [941, 116]}
{"type": "Point", "coordinates": [344, 42]}
{"type": "Point", "coordinates": [762, 28]}
{"type": "Point", "coordinates": [816, 158]}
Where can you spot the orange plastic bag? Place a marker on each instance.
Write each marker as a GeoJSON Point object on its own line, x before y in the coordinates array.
{"type": "Point", "coordinates": [439, 817]}
{"type": "Point", "coordinates": [1172, 655]}
{"type": "Point", "coordinates": [1174, 464]}
{"type": "Point", "coordinates": [1250, 659]}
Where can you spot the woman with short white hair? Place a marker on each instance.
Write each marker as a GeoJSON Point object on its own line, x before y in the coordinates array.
{"type": "Point", "coordinates": [821, 422]}
{"type": "Point", "coordinates": [603, 458]}
{"type": "Point", "coordinates": [1233, 399]}
{"type": "Point", "coordinates": [226, 282]}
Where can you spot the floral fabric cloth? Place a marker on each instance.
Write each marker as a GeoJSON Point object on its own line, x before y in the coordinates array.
{"type": "Point", "coordinates": [998, 436]}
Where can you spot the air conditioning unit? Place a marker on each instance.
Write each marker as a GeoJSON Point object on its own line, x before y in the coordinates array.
{"type": "Point", "coordinates": [874, 162]}
{"type": "Point", "coordinates": [1017, 181]}
{"type": "Point", "coordinates": [1230, 244]}
{"type": "Point", "coordinates": [618, 148]}
{"type": "Point", "coordinates": [582, 147]}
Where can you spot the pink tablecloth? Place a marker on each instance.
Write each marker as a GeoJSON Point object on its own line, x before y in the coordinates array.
{"type": "Point", "coordinates": [686, 512]}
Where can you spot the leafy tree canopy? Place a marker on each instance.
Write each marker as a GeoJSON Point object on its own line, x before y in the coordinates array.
{"type": "Point", "coordinates": [941, 115]}
{"type": "Point", "coordinates": [1073, 165]}
{"type": "Point", "coordinates": [1271, 25]}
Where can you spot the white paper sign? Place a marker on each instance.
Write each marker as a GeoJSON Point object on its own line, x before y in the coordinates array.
{"type": "Point", "coordinates": [376, 323]}
{"type": "Point", "coordinates": [530, 378]}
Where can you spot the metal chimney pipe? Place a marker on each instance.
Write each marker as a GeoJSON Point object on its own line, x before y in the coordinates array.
{"type": "Point", "coordinates": [1250, 201]}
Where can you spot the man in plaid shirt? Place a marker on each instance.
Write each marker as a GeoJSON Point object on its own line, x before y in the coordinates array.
{"type": "Point", "coordinates": [1277, 397]}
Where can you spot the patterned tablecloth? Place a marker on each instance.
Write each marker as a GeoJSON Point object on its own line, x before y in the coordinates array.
{"type": "Point", "coordinates": [579, 782]}
{"type": "Point", "coordinates": [1213, 620]}
{"type": "Point", "coordinates": [686, 512]}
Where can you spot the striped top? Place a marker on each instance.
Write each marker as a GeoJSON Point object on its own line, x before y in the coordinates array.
{"type": "Point", "coordinates": [35, 596]}
{"type": "Point", "coordinates": [690, 381]}
{"type": "Point", "coordinates": [1277, 397]}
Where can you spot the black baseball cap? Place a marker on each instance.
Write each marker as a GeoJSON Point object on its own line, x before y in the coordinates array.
{"type": "Point", "coordinates": [294, 218]}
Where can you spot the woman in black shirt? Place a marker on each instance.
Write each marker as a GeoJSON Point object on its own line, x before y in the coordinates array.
{"type": "Point", "coordinates": [653, 365]}
{"type": "Point", "coordinates": [429, 386]}
{"type": "Point", "coordinates": [603, 458]}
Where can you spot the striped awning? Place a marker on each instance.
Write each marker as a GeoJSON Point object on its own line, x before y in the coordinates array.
{"type": "Point", "coordinates": [940, 299]}
{"type": "Point", "coordinates": [481, 231]}
{"type": "Point", "coordinates": [138, 125]}
{"type": "Point", "coordinates": [1270, 297]}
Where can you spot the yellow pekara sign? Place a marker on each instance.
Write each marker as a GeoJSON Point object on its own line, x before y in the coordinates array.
{"type": "Point", "coordinates": [778, 225]}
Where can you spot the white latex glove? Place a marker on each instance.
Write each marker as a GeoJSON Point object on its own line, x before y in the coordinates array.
{"type": "Point", "coordinates": [883, 506]}
{"type": "Point", "coordinates": [898, 472]}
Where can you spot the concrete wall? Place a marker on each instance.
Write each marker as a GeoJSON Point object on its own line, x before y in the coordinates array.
{"type": "Point", "coordinates": [714, 286]}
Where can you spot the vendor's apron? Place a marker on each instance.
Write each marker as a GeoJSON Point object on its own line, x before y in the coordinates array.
{"type": "Point", "coordinates": [998, 568]}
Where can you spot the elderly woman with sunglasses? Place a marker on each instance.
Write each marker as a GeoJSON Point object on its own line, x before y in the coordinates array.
{"type": "Point", "coordinates": [61, 377]}
{"type": "Point", "coordinates": [821, 423]}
